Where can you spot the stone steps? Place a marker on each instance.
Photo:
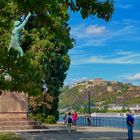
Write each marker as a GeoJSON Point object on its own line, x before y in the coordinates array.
{"type": "Point", "coordinates": [7, 123]}
{"type": "Point", "coordinates": [23, 127]}
{"type": "Point", "coordinates": [15, 119]}
{"type": "Point", "coordinates": [19, 124]}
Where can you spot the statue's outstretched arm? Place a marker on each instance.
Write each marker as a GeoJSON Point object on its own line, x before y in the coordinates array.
{"type": "Point", "coordinates": [21, 26]}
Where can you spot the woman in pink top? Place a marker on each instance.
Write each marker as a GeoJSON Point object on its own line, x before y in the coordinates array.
{"type": "Point", "coordinates": [74, 118]}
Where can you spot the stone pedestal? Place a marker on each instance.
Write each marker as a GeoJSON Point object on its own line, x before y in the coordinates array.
{"type": "Point", "coordinates": [13, 104]}
{"type": "Point", "coordinates": [13, 112]}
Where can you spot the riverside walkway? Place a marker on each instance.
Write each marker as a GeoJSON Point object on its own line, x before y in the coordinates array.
{"type": "Point", "coordinates": [59, 132]}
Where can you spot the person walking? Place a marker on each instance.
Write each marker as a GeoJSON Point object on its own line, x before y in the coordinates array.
{"type": "Point", "coordinates": [74, 119]}
{"type": "Point", "coordinates": [130, 124]}
{"type": "Point", "coordinates": [65, 119]}
{"type": "Point", "coordinates": [89, 120]}
{"type": "Point", "coordinates": [69, 123]}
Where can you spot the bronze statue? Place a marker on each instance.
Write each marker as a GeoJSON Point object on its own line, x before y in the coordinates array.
{"type": "Point", "coordinates": [15, 37]}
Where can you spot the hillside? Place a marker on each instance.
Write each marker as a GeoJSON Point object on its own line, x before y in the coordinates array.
{"type": "Point", "coordinates": [102, 93]}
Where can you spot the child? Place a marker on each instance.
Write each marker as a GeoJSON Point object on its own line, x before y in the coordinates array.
{"type": "Point", "coordinates": [65, 119]}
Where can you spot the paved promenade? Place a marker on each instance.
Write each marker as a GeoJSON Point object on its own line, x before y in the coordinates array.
{"type": "Point", "coordinates": [82, 133]}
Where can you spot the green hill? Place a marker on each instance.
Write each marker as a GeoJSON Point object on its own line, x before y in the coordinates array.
{"type": "Point", "coordinates": [102, 94]}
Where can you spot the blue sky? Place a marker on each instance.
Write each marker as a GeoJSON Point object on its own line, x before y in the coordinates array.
{"type": "Point", "coordinates": [108, 50]}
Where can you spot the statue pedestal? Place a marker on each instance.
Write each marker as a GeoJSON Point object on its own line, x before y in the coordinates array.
{"type": "Point", "coordinates": [13, 105]}
{"type": "Point", "coordinates": [13, 112]}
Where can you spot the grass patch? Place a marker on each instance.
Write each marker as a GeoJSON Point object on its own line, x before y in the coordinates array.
{"type": "Point", "coordinates": [9, 136]}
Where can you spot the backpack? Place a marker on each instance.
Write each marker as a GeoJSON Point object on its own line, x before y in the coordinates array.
{"type": "Point", "coordinates": [69, 120]}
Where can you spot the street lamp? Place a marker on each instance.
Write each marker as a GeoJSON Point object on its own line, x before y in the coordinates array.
{"type": "Point", "coordinates": [89, 102]}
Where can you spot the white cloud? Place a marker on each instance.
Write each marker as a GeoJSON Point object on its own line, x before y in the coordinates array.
{"type": "Point", "coordinates": [130, 21]}
{"type": "Point", "coordinates": [124, 6]}
{"type": "Point", "coordinates": [134, 77]}
{"type": "Point", "coordinates": [95, 29]}
{"type": "Point", "coordinates": [83, 32]}
{"type": "Point", "coordinates": [75, 80]}
{"type": "Point", "coordinates": [125, 22]}
{"type": "Point", "coordinates": [126, 58]}
{"type": "Point", "coordinates": [95, 35]}
{"type": "Point", "coordinates": [93, 42]}
{"type": "Point", "coordinates": [122, 52]}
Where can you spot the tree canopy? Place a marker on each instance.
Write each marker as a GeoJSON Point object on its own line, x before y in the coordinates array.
{"type": "Point", "coordinates": [46, 41]}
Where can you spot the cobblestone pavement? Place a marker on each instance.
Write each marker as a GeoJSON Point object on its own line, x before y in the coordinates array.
{"type": "Point", "coordinates": [83, 133]}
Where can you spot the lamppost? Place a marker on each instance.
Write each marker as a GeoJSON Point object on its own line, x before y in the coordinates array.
{"type": "Point", "coordinates": [88, 102]}
{"type": "Point", "coordinates": [89, 98]}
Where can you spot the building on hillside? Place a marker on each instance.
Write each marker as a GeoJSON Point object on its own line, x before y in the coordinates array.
{"type": "Point", "coordinates": [114, 107]}
{"type": "Point", "coordinates": [135, 109]}
{"type": "Point", "coordinates": [109, 88]}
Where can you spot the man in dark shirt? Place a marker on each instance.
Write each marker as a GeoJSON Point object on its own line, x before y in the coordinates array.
{"type": "Point", "coordinates": [130, 123]}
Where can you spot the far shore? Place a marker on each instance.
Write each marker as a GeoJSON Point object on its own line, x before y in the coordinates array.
{"type": "Point", "coordinates": [109, 114]}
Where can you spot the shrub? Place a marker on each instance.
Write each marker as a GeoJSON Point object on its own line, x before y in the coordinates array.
{"type": "Point", "coordinates": [38, 117]}
{"type": "Point", "coordinates": [50, 119]}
